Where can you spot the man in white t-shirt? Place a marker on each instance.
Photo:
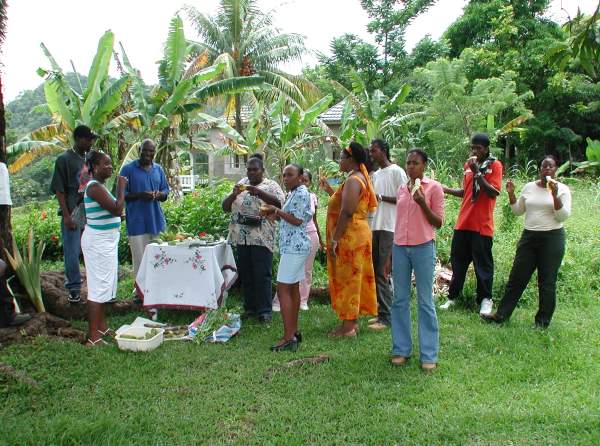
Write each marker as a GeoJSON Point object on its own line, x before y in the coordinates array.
{"type": "Point", "coordinates": [386, 181]}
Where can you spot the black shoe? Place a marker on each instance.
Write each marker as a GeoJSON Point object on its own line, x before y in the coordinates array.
{"type": "Point", "coordinates": [493, 318]}
{"type": "Point", "coordinates": [298, 336]}
{"type": "Point", "coordinates": [291, 345]}
{"type": "Point", "coordinates": [74, 297]}
{"type": "Point", "coordinates": [246, 315]}
{"type": "Point", "coordinates": [265, 318]}
{"type": "Point", "coordinates": [19, 319]}
{"type": "Point", "coordinates": [114, 300]}
{"type": "Point", "coordinates": [541, 325]}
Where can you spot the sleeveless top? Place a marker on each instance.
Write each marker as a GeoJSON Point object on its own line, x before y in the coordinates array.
{"type": "Point", "coordinates": [97, 217]}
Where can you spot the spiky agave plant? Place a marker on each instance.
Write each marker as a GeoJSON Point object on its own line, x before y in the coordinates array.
{"type": "Point", "coordinates": [27, 268]}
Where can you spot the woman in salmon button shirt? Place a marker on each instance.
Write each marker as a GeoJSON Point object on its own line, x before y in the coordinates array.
{"type": "Point", "coordinates": [419, 211]}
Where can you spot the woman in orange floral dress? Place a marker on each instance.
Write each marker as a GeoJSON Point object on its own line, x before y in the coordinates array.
{"type": "Point", "coordinates": [349, 257]}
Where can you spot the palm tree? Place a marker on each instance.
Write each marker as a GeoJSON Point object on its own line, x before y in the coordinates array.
{"type": "Point", "coordinates": [243, 37]}
{"type": "Point", "coordinates": [172, 111]}
{"type": "Point", "coordinates": [367, 116]}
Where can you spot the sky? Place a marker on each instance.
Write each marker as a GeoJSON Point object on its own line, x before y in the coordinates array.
{"type": "Point", "coordinates": [70, 29]}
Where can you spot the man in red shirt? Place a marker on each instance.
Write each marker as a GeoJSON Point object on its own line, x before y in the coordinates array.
{"type": "Point", "coordinates": [473, 234]}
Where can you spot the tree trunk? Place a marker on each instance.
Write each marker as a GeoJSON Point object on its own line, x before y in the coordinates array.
{"type": "Point", "coordinates": [5, 226]}
{"type": "Point", "coordinates": [238, 113]}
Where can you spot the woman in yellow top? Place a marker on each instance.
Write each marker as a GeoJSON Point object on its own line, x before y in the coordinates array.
{"type": "Point", "coordinates": [349, 257]}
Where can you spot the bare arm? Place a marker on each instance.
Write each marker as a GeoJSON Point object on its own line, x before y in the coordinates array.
{"type": "Point", "coordinates": [229, 199]}
{"type": "Point", "coordinates": [489, 190]}
{"type": "Point", "coordinates": [454, 192]}
{"type": "Point", "coordinates": [101, 196]}
{"type": "Point", "coordinates": [432, 217]}
{"type": "Point", "coordinates": [316, 222]}
{"type": "Point", "coordinates": [62, 202]}
{"type": "Point", "coordinates": [287, 217]}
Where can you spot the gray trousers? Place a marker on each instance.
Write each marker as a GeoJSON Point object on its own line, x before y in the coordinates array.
{"type": "Point", "coordinates": [138, 243]}
{"type": "Point", "coordinates": [382, 250]}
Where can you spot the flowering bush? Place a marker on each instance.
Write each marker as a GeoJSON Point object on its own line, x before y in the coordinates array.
{"type": "Point", "coordinates": [44, 219]}
{"type": "Point", "coordinates": [200, 212]}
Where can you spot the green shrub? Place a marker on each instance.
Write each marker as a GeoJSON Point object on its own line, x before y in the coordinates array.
{"type": "Point", "coordinates": [200, 211]}
{"type": "Point", "coordinates": [44, 219]}
{"type": "Point", "coordinates": [33, 182]}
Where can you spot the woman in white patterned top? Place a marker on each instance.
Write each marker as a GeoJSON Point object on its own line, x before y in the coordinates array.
{"type": "Point", "coordinates": [546, 204]}
{"type": "Point", "coordinates": [100, 242]}
{"type": "Point", "coordinates": [254, 237]}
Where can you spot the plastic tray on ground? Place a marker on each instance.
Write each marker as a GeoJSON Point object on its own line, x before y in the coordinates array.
{"type": "Point", "coordinates": [140, 345]}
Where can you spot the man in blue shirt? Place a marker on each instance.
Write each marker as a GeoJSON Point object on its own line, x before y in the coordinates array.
{"type": "Point", "coordinates": [146, 187]}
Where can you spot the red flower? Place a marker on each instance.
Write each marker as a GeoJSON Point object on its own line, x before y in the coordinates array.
{"type": "Point", "coordinates": [44, 215]}
{"type": "Point", "coordinates": [202, 234]}
{"type": "Point", "coordinates": [54, 238]}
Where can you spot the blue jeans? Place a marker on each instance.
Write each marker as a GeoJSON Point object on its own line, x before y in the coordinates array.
{"type": "Point", "coordinates": [421, 259]}
{"type": "Point", "coordinates": [71, 252]}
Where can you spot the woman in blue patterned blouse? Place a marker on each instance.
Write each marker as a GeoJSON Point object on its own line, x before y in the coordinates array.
{"type": "Point", "coordinates": [294, 248]}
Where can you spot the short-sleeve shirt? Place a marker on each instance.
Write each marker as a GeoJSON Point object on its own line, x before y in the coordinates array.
{"type": "Point", "coordinates": [294, 239]}
{"type": "Point", "coordinates": [144, 216]}
{"type": "Point", "coordinates": [246, 204]}
{"type": "Point", "coordinates": [65, 179]}
{"type": "Point", "coordinates": [386, 182]}
{"type": "Point", "coordinates": [478, 216]}
{"type": "Point", "coordinates": [412, 226]}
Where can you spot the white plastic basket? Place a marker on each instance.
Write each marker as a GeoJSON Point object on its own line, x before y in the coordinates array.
{"type": "Point", "coordinates": [139, 345]}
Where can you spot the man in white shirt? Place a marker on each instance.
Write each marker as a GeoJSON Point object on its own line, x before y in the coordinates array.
{"type": "Point", "coordinates": [386, 181]}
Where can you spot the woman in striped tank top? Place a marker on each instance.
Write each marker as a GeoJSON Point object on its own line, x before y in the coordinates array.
{"type": "Point", "coordinates": [100, 242]}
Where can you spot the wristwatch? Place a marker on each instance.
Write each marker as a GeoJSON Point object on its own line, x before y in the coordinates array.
{"type": "Point", "coordinates": [379, 197]}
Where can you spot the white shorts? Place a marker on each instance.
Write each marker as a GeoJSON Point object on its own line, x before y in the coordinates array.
{"type": "Point", "coordinates": [291, 268]}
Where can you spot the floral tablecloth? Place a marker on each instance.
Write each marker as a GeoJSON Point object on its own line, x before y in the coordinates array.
{"type": "Point", "coordinates": [185, 277]}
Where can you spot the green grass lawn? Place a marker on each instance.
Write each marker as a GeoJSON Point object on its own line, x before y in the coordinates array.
{"type": "Point", "coordinates": [508, 385]}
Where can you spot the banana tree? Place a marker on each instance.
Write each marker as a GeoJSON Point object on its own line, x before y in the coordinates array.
{"type": "Point", "coordinates": [98, 106]}
{"type": "Point", "coordinates": [282, 136]}
{"type": "Point", "coordinates": [367, 116]}
{"type": "Point", "coordinates": [174, 111]}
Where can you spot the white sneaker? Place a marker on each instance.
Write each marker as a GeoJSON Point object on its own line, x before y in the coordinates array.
{"type": "Point", "coordinates": [304, 307]}
{"type": "Point", "coordinates": [486, 306]}
{"type": "Point", "coordinates": [446, 305]}
{"type": "Point", "coordinates": [276, 308]}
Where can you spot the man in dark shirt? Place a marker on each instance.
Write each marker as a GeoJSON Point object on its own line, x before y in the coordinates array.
{"type": "Point", "coordinates": [66, 186]}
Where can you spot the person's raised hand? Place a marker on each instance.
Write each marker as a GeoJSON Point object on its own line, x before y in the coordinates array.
{"type": "Point", "coordinates": [267, 209]}
{"type": "Point", "coordinates": [121, 182]}
{"type": "Point", "coordinates": [510, 186]}
{"type": "Point", "coordinates": [419, 196]}
{"type": "Point", "coordinates": [253, 190]}
{"type": "Point", "coordinates": [323, 184]}
{"type": "Point", "coordinates": [238, 189]}
{"type": "Point", "coordinates": [147, 195]}
{"type": "Point", "coordinates": [553, 185]}
{"type": "Point", "coordinates": [473, 165]}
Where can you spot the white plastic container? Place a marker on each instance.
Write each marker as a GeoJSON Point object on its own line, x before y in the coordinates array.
{"type": "Point", "coordinates": [140, 345]}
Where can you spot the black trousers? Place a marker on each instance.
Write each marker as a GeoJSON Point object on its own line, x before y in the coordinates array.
{"type": "Point", "coordinates": [467, 247]}
{"type": "Point", "coordinates": [382, 250]}
{"type": "Point", "coordinates": [541, 250]}
{"type": "Point", "coordinates": [255, 267]}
